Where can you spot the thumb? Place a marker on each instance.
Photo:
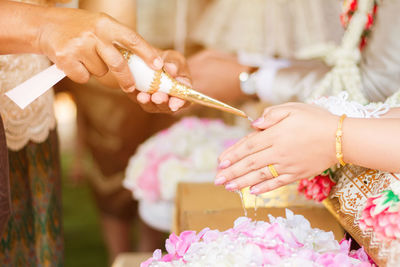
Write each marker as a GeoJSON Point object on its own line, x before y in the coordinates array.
{"type": "Point", "coordinates": [270, 117]}
{"type": "Point", "coordinates": [137, 45]}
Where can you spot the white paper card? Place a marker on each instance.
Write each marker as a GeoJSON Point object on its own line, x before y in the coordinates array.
{"type": "Point", "coordinates": [31, 89]}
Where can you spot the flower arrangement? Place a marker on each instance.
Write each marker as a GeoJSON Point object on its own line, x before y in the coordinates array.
{"type": "Point", "coordinates": [286, 241]}
{"type": "Point", "coordinates": [317, 188]}
{"type": "Point", "coordinates": [187, 151]}
{"type": "Point", "coordinates": [382, 215]}
{"type": "Point", "coordinates": [349, 8]}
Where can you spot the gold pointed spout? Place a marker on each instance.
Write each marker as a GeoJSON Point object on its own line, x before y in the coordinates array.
{"type": "Point", "coordinates": [182, 91]}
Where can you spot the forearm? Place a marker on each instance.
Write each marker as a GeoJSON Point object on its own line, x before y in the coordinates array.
{"type": "Point", "coordinates": [372, 143]}
{"type": "Point", "coordinates": [20, 24]}
{"type": "Point", "coordinates": [122, 10]}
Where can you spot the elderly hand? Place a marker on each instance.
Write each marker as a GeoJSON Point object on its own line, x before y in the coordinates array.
{"type": "Point", "coordinates": [83, 43]}
{"type": "Point", "coordinates": [297, 139]}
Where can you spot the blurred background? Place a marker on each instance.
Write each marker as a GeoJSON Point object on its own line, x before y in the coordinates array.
{"type": "Point", "coordinates": [100, 218]}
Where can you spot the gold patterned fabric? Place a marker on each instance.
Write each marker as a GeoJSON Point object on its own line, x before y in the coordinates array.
{"type": "Point", "coordinates": [33, 234]}
{"type": "Point", "coordinates": [347, 200]}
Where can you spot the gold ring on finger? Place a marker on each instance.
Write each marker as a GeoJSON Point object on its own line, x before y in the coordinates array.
{"type": "Point", "coordinates": [273, 170]}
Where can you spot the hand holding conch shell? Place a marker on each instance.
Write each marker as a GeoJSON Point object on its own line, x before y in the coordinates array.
{"type": "Point", "coordinates": [175, 65]}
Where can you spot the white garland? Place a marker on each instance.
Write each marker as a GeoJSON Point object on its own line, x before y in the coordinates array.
{"type": "Point", "coordinates": [345, 74]}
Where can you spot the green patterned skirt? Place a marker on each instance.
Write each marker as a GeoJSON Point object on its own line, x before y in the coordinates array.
{"type": "Point", "coordinates": [33, 236]}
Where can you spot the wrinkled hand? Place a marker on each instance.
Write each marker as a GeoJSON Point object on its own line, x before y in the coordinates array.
{"type": "Point", "coordinates": [82, 44]}
{"type": "Point", "coordinates": [159, 102]}
{"type": "Point", "coordinates": [298, 139]}
{"type": "Point", "coordinates": [216, 74]}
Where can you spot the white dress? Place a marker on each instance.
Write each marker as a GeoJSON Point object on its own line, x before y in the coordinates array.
{"type": "Point", "coordinates": [269, 27]}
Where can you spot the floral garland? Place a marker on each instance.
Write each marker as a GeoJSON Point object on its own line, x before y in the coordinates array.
{"type": "Point", "coordinates": [289, 241]}
{"type": "Point", "coordinates": [382, 215]}
{"type": "Point", "coordinates": [349, 8]}
{"type": "Point", "coordinates": [358, 18]}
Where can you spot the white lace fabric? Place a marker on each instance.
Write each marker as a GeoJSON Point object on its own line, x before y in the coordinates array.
{"type": "Point", "coordinates": [35, 121]}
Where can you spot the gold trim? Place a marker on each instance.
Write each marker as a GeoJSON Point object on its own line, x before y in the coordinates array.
{"type": "Point", "coordinates": [155, 84]}
{"type": "Point", "coordinates": [184, 92]}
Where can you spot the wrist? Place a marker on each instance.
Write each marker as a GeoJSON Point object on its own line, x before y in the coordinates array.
{"type": "Point", "coordinates": [330, 133]}
{"type": "Point", "coordinates": [339, 141]}
{"type": "Point", "coordinates": [45, 25]}
{"type": "Point", "coordinates": [22, 22]}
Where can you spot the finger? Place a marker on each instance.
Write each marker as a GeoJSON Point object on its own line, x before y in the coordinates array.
{"type": "Point", "coordinates": [176, 103]}
{"type": "Point", "coordinates": [171, 68]}
{"type": "Point", "coordinates": [176, 63]}
{"type": "Point", "coordinates": [136, 44]}
{"type": "Point", "coordinates": [270, 117]}
{"type": "Point", "coordinates": [161, 100]}
{"type": "Point", "coordinates": [94, 64]}
{"type": "Point", "coordinates": [229, 149]}
{"type": "Point", "coordinates": [247, 165]}
{"type": "Point", "coordinates": [144, 100]}
{"type": "Point", "coordinates": [252, 178]}
{"type": "Point", "coordinates": [184, 80]}
{"type": "Point", "coordinates": [272, 184]}
{"type": "Point", "coordinates": [251, 145]}
{"type": "Point", "coordinates": [118, 66]}
{"type": "Point", "coordinates": [75, 70]}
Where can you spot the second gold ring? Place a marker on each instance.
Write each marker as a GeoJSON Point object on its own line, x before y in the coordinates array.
{"type": "Point", "coordinates": [273, 170]}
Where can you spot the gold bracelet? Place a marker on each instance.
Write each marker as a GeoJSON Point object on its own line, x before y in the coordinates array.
{"type": "Point", "coordinates": [339, 135]}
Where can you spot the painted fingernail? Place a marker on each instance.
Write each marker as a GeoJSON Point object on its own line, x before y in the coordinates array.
{"type": "Point", "coordinates": [224, 164]}
{"type": "Point", "coordinates": [158, 63]}
{"type": "Point", "coordinates": [258, 121]}
{"type": "Point", "coordinates": [254, 191]}
{"type": "Point", "coordinates": [220, 180]}
{"type": "Point", "coordinates": [231, 186]}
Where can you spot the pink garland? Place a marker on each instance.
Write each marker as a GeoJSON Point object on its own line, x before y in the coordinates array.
{"type": "Point", "coordinates": [382, 215]}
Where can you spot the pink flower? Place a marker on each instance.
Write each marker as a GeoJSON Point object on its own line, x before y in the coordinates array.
{"type": "Point", "coordinates": [382, 215]}
{"type": "Point", "coordinates": [257, 238]}
{"type": "Point", "coordinates": [178, 245]}
{"type": "Point", "coordinates": [317, 188]}
{"type": "Point", "coordinates": [148, 180]}
{"type": "Point", "coordinates": [156, 257]}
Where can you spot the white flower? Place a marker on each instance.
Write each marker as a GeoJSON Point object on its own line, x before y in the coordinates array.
{"type": "Point", "coordinates": [187, 151]}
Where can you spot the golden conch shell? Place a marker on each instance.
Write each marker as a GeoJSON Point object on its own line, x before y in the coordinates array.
{"type": "Point", "coordinates": [182, 91]}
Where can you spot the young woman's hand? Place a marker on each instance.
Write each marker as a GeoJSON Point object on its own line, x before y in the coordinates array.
{"type": "Point", "coordinates": [297, 139]}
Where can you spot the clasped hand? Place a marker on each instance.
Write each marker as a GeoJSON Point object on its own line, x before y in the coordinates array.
{"type": "Point", "coordinates": [297, 139]}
